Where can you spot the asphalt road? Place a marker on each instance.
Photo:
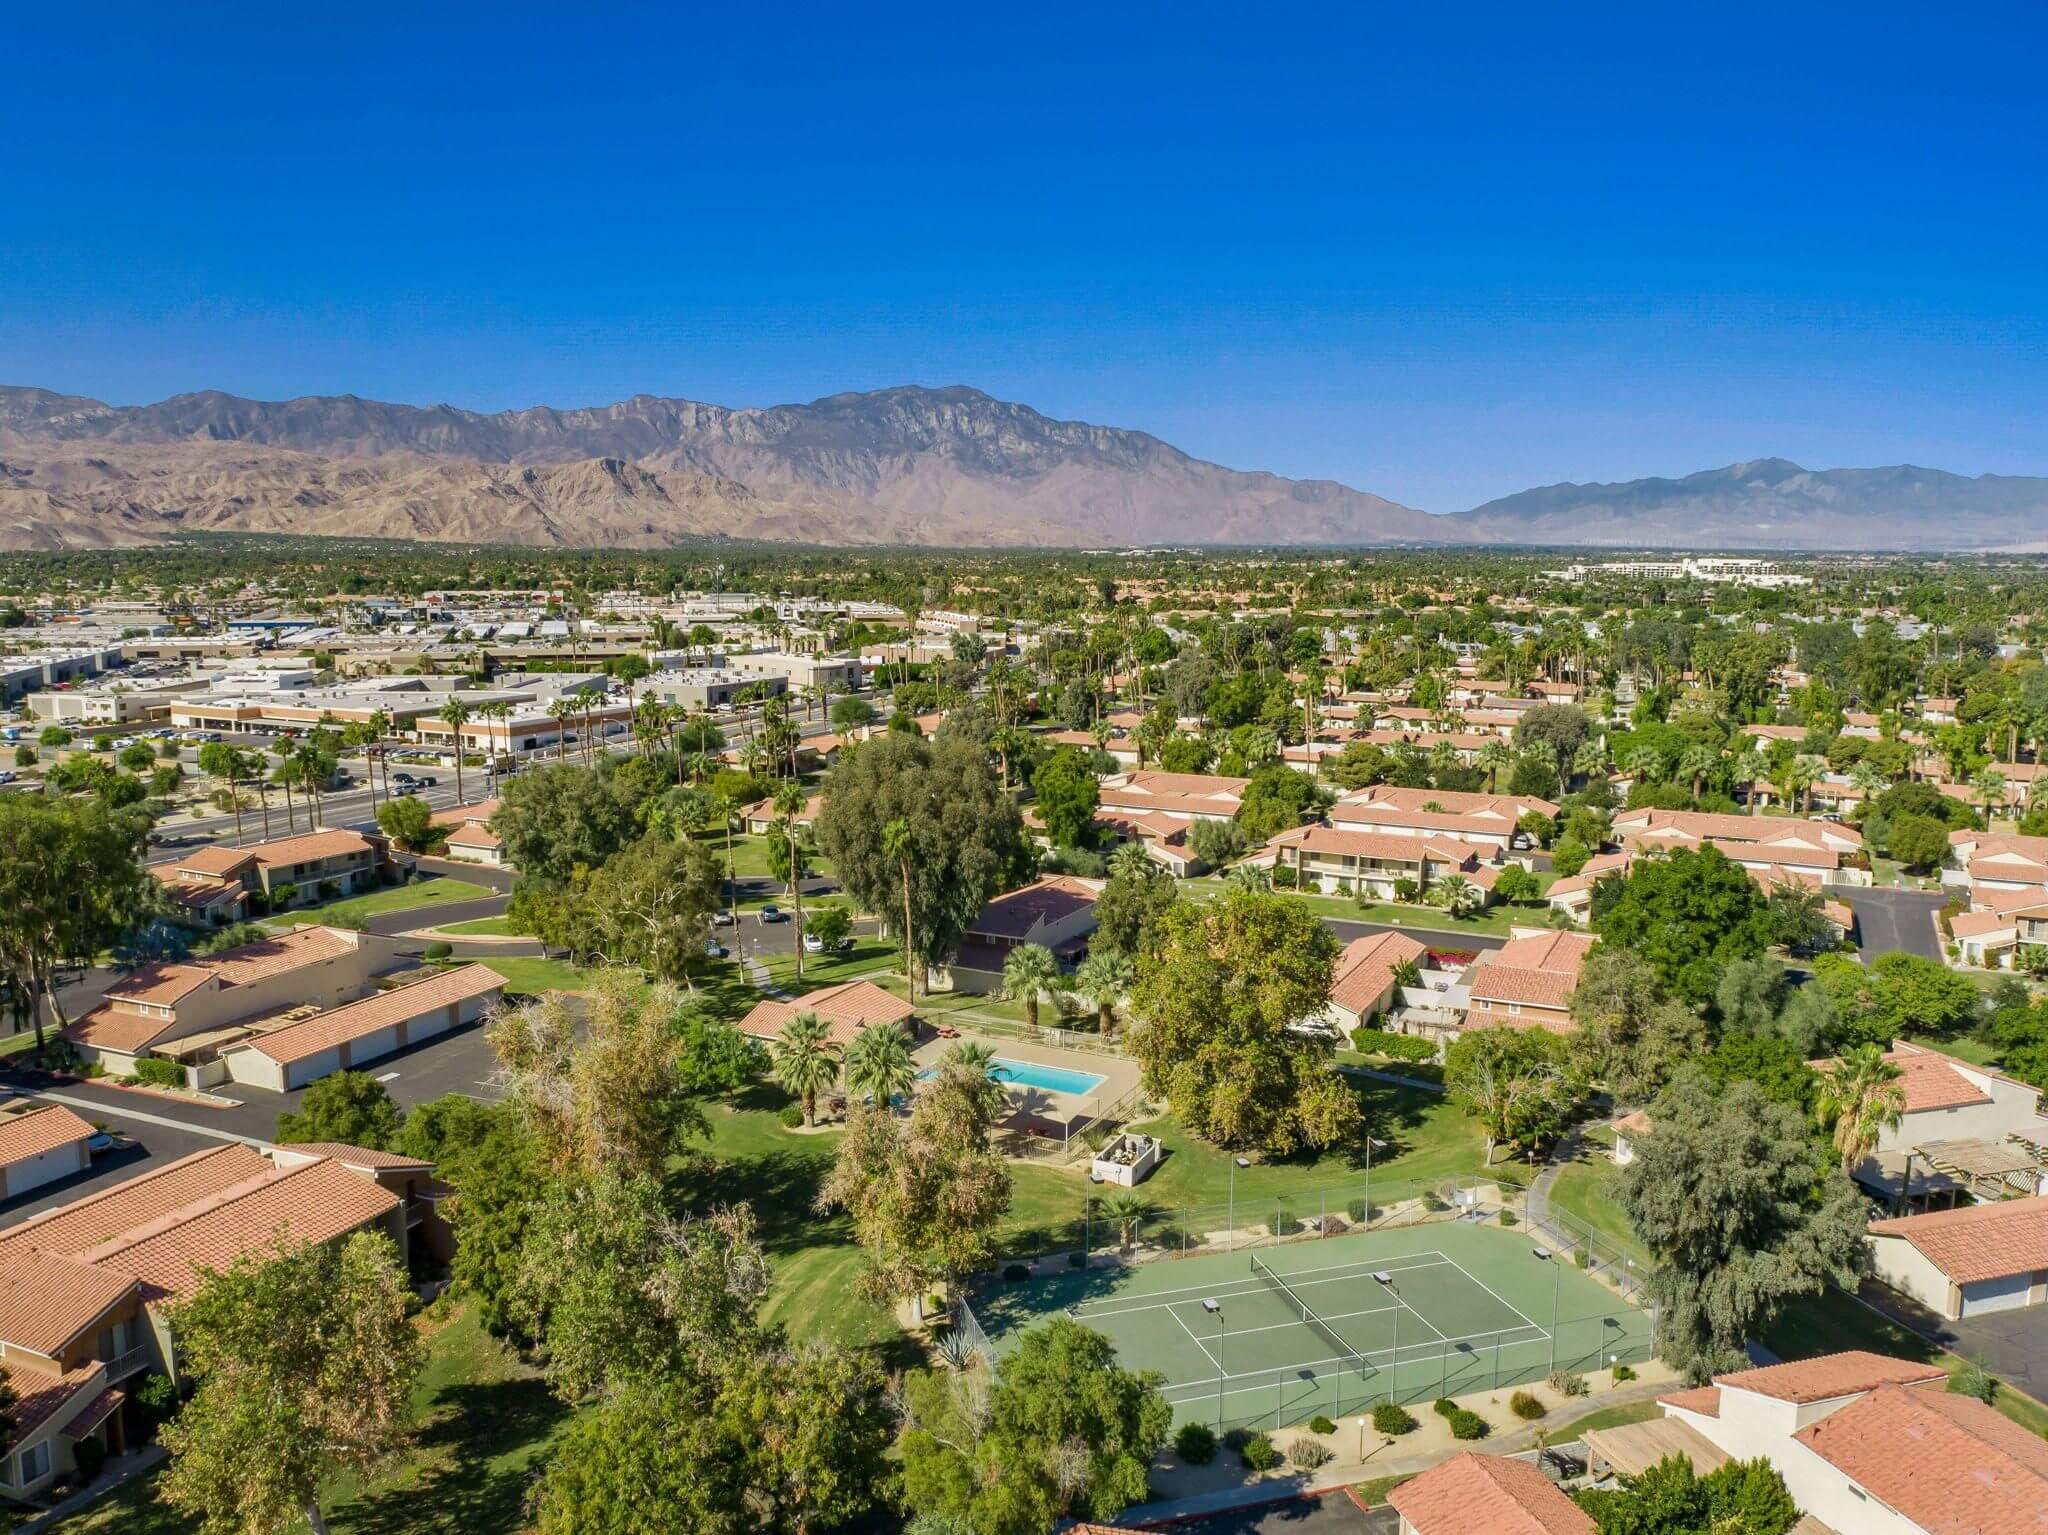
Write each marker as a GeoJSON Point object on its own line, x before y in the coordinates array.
{"type": "Point", "coordinates": [1333, 1513]}
{"type": "Point", "coordinates": [1433, 937]}
{"type": "Point", "coordinates": [1889, 919]}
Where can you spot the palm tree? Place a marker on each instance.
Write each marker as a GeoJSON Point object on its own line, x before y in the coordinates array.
{"type": "Point", "coordinates": [979, 1062]}
{"type": "Point", "coordinates": [1695, 763]}
{"type": "Point", "coordinates": [1644, 764]}
{"type": "Point", "coordinates": [1493, 757]}
{"type": "Point", "coordinates": [1126, 1209]}
{"type": "Point", "coordinates": [1746, 772]}
{"type": "Point", "coordinates": [455, 714]}
{"type": "Point", "coordinates": [879, 1065]}
{"type": "Point", "coordinates": [1990, 787]}
{"type": "Point", "coordinates": [1590, 760]}
{"type": "Point", "coordinates": [1460, 897]}
{"type": "Point", "coordinates": [806, 1062]}
{"type": "Point", "coordinates": [288, 772]}
{"type": "Point", "coordinates": [1106, 977]}
{"type": "Point", "coordinates": [1029, 972]}
{"type": "Point", "coordinates": [898, 846]}
{"type": "Point", "coordinates": [790, 800]}
{"type": "Point", "coordinates": [1861, 1098]}
{"type": "Point", "coordinates": [561, 709]}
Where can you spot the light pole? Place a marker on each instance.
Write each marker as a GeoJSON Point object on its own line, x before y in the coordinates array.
{"type": "Point", "coordinates": [1370, 1143]}
{"type": "Point", "coordinates": [1386, 1281]}
{"type": "Point", "coordinates": [1556, 1279]}
{"type": "Point", "coordinates": [1215, 1309]}
{"type": "Point", "coordinates": [1230, 1222]}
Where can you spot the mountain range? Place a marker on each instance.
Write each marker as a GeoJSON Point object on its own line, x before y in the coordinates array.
{"type": "Point", "coordinates": [948, 467]}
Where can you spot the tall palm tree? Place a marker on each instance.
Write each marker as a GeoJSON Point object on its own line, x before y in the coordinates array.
{"type": "Point", "coordinates": [288, 772]}
{"type": "Point", "coordinates": [898, 846]}
{"type": "Point", "coordinates": [1493, 757]}
{"type": "Point", "coordinates": [561, 709]}
{"type": "Point", "coordinates": [879, 1066]}
{"type": "Point", "coordinates": [455, 714]}
{"type": "Point", "coordinates": [979, 1062]}
{"type": "Point", "coordinates": [1747, 771]}
{"type": "Point", "coordinates": [806, 1062]}
{"type": "Point", "coordinates": [1030, 972]}
{"type": "Point", "coordinates": [1106, 977]}
{"type": "Point", "coordinates": [1861, 1098]}
{"type": "Point", "coordinates": [1990, 787]}
{"type": "Point", "coordinates": [1695, 763]}
{"type": "Point", "coordinates": [790, 800]}
{"type": "Point", "coordinates": [1126, 1209]}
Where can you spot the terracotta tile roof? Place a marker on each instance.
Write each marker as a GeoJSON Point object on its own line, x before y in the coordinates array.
{"type": "Point", "coordinates": [108, 1027]}
{"type": "Point", "coordinates": [309, 847]}
{"type": "Point", "coordinates": [314, 1203]}
{"type": "Point", "coordinates": [1933, 1081]}
{"type": "Point", "coordinates": [1735, 828]}
{"type": "Point", "coordinates": [1977, 1242]}
{"type": "Point", "coordinates": [216, 862]}
{"type": "Point", "coordinates": [93, 1413]}
{"type": "Point", "coordinates": [1366, 968]}
{"type": "Point", "coordinates": [1948, 1463]}
{"type": "Point", "coordinates": [1492, 981]}
{"type": "Point", "coordinates": [1474, 1494]}
{"type": "Point", "coordinates": [454, 815]}
{"type": "Point", "coordinates": [1792, 855]}
{"type": "Point", "coordinates": [1702, 1400]}
{"type": "Point", "coordinates": [47, 1299]}
{"type": "Point", "coordinates": [159, 985]}
{"type": "Point", "coordinates": [195, 894]}
{"type": "Point", "coordinates": [296, 1041]}
{"type": "Point", "coordinates": [1386, 846]}
{"type": "Point", "coordinates": [467, 835]}
{"type": "Point", "coordinates": [845, 1009]}
{"type": "Point", "coordinates": [38, 1397]}
{"type": "Point", "coordinates": [355, 1156]}
{"type": "Point", "coordinates": [1376, 814]}
{"type": "Point", "coordinates": [1637, 1123]}
{"type": "Point", "coordinates": [164, 985]}
{"type": "Point", "coordinates": [39, 1130]}
{"type": "Point", "coordinates": [1562, 952]}
{"type": "Point", "coordinates": [1831, 1375]}
{"type": "Point", "coordinates": [84, 1223]}
{"type": "Point", "coordinates": [1051, 899]}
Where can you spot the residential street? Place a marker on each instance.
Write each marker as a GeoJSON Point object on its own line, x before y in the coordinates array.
{"type": "Point", "coordinates": [1889, 919]}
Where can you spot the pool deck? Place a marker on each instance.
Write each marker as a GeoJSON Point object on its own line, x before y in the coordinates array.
{"type": "Point", "coordinates": [1041, 1109]}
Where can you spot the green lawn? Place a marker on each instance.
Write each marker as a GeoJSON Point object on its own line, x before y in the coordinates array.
{"type": "Point", "coordinates": [427, 892]}
{"type": "Point", "coordinates": [483, 927]}
{"type": "Point", "coordinates": [1610, 1417]}
{"type": "Point", "coordinates": [528, 976]}
{"type": "Point", "coordinates": [1585, 1192]}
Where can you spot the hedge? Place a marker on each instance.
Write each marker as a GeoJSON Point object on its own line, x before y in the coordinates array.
{"type": "Point", "coordinates": [1399, 1047]}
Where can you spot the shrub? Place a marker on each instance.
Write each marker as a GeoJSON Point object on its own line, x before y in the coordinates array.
{"type": "Point", "coordinates": [1466, 1424]}
{"type": "Point", "coordinates": [1360, 1212]}
{"type": "Point", "coordinates": [1508, 1217]}
{"type": "Point", "coordinates": [327, 889]}
{"type": "Point", "coordinates": [1321, 1425]}
{"type": "Point", "coordinates": [1077, 1259]}
{"type": "Point", "coordinates": [1526, 1407]}
{"type": "Point", "coordinates": [90, 1455]}
{"type": "Point", "coordinates": [1568, 1383]}
{"type": "Point", "coordinates": [24, 756]}
{"type": "Point", "coordinates": [159, 1073]}
{"type": "Point", "coordinates": [282, 896]}
{"type": "Point", "coordinates": [1391, 1418]}
{"type": "Point", "coordinates": [1195, 1444]}
{"type": "Point", "coordinates": [1283, 877]}
{"type": "Point", "coordinates": [1284, 1226]}
{"type": "Point", "coordinates": [1624, 1372]}
{"type": "Point", "coordinates": [1582, 1258]}
{"type": "Point", "coordinates": [1259, 1453]}
{"type": "Point", "coordinates": [1433, 1204]}
{"type": "Point", "coordinates": [1235, 1439]}
{"type": "Point", "coordinates": [1443, 1407]}
{"type": "Point", "coordinates": [1015, 1271]}
{"type": "Point", "coordinates": [792, 1115]}
{"type": "Point", "coordinates": [1971, 1380]}
{"type": "Point", "coordinates": [1399, 1047]}
{"type": "Point", "coordinates": [1308, 1454]}
{"type": "Point", "coordinates": [441, 949]}
{"type": "Point", "coordinates": [1406, 890]}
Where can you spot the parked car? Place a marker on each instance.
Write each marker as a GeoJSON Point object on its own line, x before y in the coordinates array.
{"type": "Point", "coordinates": [813, 944]}
{"type": "Point", "coordinates": [713, 949]}
{"type": "Point", "coordinates": [774, 914]}
{"type": "Point", "coordinates": [722, 918]}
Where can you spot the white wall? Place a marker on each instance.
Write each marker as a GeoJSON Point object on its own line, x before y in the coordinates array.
{"type": "Point", "coordinates": [1906, 1269]}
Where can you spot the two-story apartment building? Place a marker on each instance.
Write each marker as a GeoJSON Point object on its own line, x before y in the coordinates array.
{"type": "Point", "coordinates": [1056, 912]}
{"type": "Point", "coordinates": [1527, 983]}
{"type": "Point", "coordinates": [1488, 821]}
{"type": "Point", "coordinates": [1968, 1132]}
{"type": "Point", "coordinates": [316, 865]}
{"type": "Point", "coordinates": [1345, 860]}
{"type": "Point", "coordinates": [85, 1287]}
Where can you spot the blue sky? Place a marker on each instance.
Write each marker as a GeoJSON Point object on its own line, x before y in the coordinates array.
{"type": "Point", "coordinates": [1438, 252]}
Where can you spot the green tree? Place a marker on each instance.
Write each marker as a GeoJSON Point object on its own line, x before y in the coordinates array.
{"type": "Point", "coordinates": [714, 1059]}
{"type": "Point", "coordinates": [1557, 730]}
{"type": "Point", "coordinates": [409, 821]}
{"type": "Point", "coordinates": [879, 1065]}
{"type": "Point", "coordinates": [1275, 799]}
{"type": "Point", "coordinates": [1216, 992]}
{"type": "Point", "coordinates": [806, 1062]}
{"type": "Point", "coordinates": [1739, 1214]}
{"type": "Point", "coordinates": [957, 838]}
{"type": "Point", "coordinates": [1689, 914]}
{"type": "Point", "coordinates": [1105, 977]}
{"type": "Point", "coordinates": [1917, 841]}
{"type": "Point", "coordinates": [350, 1107]}
{"type": "Point", "coordinates": [1066, 794]}
{"type": "Point", "coordinates": [1629, 1031]}
{"type": "Point", "coordinates": [305, 1358]}
{"type": "Point", "coordinates": [1861, 1096]}
{"type": "Point", "coordinates": [1029, 973]}
{"type": "Point", "coordinates": [651, 906]}
{"type": "Point", "coordinates": [1066, 1432]}
{"type": "Point", "coordinates": [1920, 995]}
{"type": "Point", "coordinates": [1742, 1497]}
{"type": "Point", "coordinates": [1520, 1084]}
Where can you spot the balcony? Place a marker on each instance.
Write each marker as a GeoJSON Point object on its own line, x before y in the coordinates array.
{"type": "Point", "coordinates": [134, 1362]}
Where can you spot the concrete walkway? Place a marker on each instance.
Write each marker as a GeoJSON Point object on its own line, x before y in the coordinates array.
{"type": "Point", "coordinates": [761, 980]}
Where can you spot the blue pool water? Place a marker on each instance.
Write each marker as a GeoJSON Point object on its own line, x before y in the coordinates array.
{"type": "Point", "coordinates": [1051, 1079]}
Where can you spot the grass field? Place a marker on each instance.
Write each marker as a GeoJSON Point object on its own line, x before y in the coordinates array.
{"type": "Point", "coordinates": [482, 927]}
{"type": "Point", "coordinates": [427, 892]}
{"type": "Point", "coordinates": [1409, 1315]}
{"type": "Point", "coordinates": [526, 975]}
{"type": "Point", "coordinates": [1493, 922]}
{"type": "Point", "coordinates": [1585, 1192]}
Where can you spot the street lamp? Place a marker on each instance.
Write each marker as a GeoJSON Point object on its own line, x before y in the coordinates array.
{"type": "Point", "coordinates": [1230, 1235]}
{"type": "Point", "coordinates": [1543, 1255]}
{"type": "Point", "coordinates": [1215, 1309]}
{"type": "Point", "coordinates": [1370, 1145]}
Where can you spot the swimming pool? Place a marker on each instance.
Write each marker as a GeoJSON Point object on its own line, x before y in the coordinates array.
{"type": "Point", "coordinates": [1051, 1079]}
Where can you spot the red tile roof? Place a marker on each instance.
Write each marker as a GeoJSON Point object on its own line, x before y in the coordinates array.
{"type": "Point", "coordinates": [1474, 1494]}
{"type": "Point", "coordinates": [86, 1222]}
{"type": "Point", "coordinates": [39, 1130]}
{"type": "Point", "coordinates": [38, 1396]}
{"type": "Point", "coordinates": [1831, 1375]}
{"type": "Point", "coordinates": [1948, 1463]}
{"type": "Point", "coordinates": [845, 1009]}
{"type": "Point", "coordinates": [296, 1041]}
{"type": "Point", "coordinates": [354, 1156]}
{"type": "Point", "coordinates": [47, 1299]}
{"type": "Point", "coordinates": [1366, 968]}
{"type": "Point", "coordinates": [1977, 1242]}
{"type": "Point", "coordinates": [1050, 899]}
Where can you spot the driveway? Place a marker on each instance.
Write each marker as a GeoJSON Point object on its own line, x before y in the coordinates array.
{"type": "Point", "coordinates": [1889, 920]}
{"type": "Point", "coordinates": [1331, 1514]}
{"type": "Point", "coordinates": [1346, 930]}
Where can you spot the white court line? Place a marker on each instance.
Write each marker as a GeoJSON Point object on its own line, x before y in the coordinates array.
{"type": "Point", "coordinates": [1282, 1370]}
{"type": "Point", "coordinates": [1214, 1363]}
{"type": "Point", "coordinates": [1152, 1299]}
{"type": "Point", "coordinates": [1489, 1289]}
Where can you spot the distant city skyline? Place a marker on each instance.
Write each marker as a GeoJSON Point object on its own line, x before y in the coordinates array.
{"type": "Point", "coordinates": [1441, 257]}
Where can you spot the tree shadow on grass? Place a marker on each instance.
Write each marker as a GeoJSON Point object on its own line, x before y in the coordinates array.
{"type": "Point", "coordinates": [781, 1187]}
{"type": "Point", "coordinates": [463, 1492]}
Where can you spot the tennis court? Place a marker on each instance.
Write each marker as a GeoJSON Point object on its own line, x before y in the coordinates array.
{"type": "Point", "coordinates": [1280, 1334]}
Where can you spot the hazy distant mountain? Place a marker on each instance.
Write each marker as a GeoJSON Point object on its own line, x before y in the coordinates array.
{"type": "Point", "coordinates": [899, 466]}
{"type": "Point", "coordinates": [938, 467]}
{"type": "Point", "coordinates": [1774, 504]}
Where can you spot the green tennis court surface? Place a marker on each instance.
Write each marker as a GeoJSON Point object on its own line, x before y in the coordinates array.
{"type": "Point", "coordinates": [1280, 1334]}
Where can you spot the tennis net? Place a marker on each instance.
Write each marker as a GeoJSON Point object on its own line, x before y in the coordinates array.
{"type": "Point", "coordinates": [1309, 1319]}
